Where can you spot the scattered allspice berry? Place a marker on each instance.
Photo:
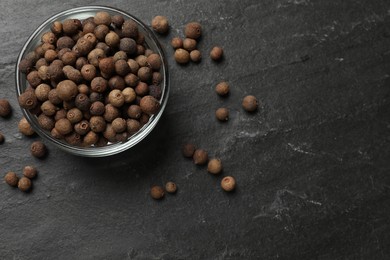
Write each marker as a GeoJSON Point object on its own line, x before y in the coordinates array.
{"type": "Point", "coordinates": [11, 179]}
{"type": "Point", "coordinates": [157, 192]}
{"type": "Point", "coordinates": [188, 150]}
{"type": "Point", "coordinates": [170, 187]}
{"type": "Point", "coordinates": [182, 56]}
{"type": "Point", "coordinates": [193, 30]}
{"type": "Point", "coordinates": [38, 149]}
{"type": "Point", "coordinates": [5, 108]}
{"type": "Point", "coordinates": [30, 172]}
{"type": "Point", "coordinates": [24, 184]}
{"type": "Point", "coordinates": [195, 56]}
{"type": "Point", "coordinates": [200, 157]}
{"type": "Point", "coordinates": [25, 127]}
{"type": "Point", "coordinates": [228, 183]}
{"type": "Point", "coordinates": [177, 42]}
{"type": "Point", "coordinates": [149, 105]}
{"type": "Point", "coordinates": [214, 166]}
{"type": "Point", "coordinates": [216, 53]}
{"type": "Point", "coordinates": [222, 88]}
{"type": "Point", "coordinates": [250, 103]}
{"type": "Point", "coordinates": [222, 114]}
{"type": "Point", "coordinates": [160, 24]}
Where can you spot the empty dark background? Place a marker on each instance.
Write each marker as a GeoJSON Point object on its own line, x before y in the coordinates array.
{"type": "Point", "coordinates": [312, 165]}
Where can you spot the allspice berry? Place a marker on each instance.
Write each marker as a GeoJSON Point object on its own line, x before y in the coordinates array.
{"type": "Point", "coordinates": [193, 30]}
{"type": "Point", "coordinates": [24, 184]}
{"type": "Point", "coordinates": [182, 56]}
{"type": "Point", "coordinates": [189, 44]}
{"type": "Point", "coordinates": [177, 42]}
{"type": "Point", "coordinates": [216, 53]}
{"type": "Point", "coordinates": [154, 61]}
{"type": "Point", "coordinates": [116, 98]}
{"type": "Point", "coordinates": [119, 125]}
{"type": "Point", "coordinates": [160, 24]}
{"type": "Point", "coordinates": [188, 150]}
{"type": "Point", "coordinates": [5, 108]}
{"type": "Point", "coordinates": [200, 157]}
{"type": "Point", "coordinates": [28, 100]}
{"type": "Point", "coordinates": [228, 183]}
{"type": "Point", "coordinates": [214, 166]}
{"type": "Point", "coordinates": [67, 90]}
{"type": "Point", "coordinates": [38, 149]}
{"type": "Point", "coordinates": [157, 192]}
{"type": "Point", "coordinates": [25, 127]}
{"type": "Point", "coordinates": [149, 105]}
{"type": "Point", "coordinates": [11, 179]}
{"type": "Point", "coordinates": [30, 171]}
{"type": "Point", "coordinates": [195, 56]}
{"type": "Point", "coordinates": [222, 88]}
{"type": "Point", "coordinates": [170, 187]}
{"type": "Point", "coordinates": [64, 126]}
{"type": "Point", "coordinates": [222, 114]}
{"type": "Point", "coordinates": [102, 17]}
{"type": "Point", "coordinates": [250, 103]}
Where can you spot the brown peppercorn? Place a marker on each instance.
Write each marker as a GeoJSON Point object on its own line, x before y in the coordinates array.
{"type": "Point", "coordinates": [97, 124]}
{"type": "Point", "coordinates": [82, 127]}
{"type": "Point", "coordinates": [42, 92]}
{"type": "Point", "coordinates": [67, 90]}
{"type": "Point", "coordinates": [142, 61]}
{"type": "Point", "coordinates": [134, 111]}
{"type": "Point", "coordinates": [45, 47]}
{"type": "Point", "coordinates": [200, 157]}
{"type": "Point", "coordinates": [116, 82]}
{"type": "Point", "coordinates": [160, 24]}
{"type": "Point", "coordinates": [25, 66]}
{"type": "Point", "coordinates": [89, 27]}
{"type": "Point", "coordinates": [157, 192]}
{"type": "Point", "coordinates": [188, 150]}
{"type": "Point", "coordinates": [140, 49]}
{"type": "Point", "coordinates": [170, 187]}
{"type": "Point", "coordinates": [107, 65]}
{"type": "Point", "coordinates": [195, 56]}
{"type": "Point", "coordinates": [144, 119]}
{"type": "Point", "coordinates": [54, 133]}
{"type": "Point", "coordinates": [11, 179]}
{"type": "Point", "coordinates": [83, 47]}
{"type": "Point", "coordinates": [38, 149]}
{"type": "Point", "coordinates": [116, 98]}
{"type": "Point", "coordinates": [33, 78]}
{"type": "Point", "coordinates": [72, 74]}
{"type": "Point", "coordinates": [46, 122]}
{"type": "Point", "coordinates": [121, 137]}
{"type": "Point", "coordinates": [119, 125]}
{"type": "Point", "coordinates": [128, 45]}
{"type": "Point", "coordinates": [155, 91]}
{"type": "Point", "coordinates": [82, 102]}
{"type": "Point", "coordinates": [5, 108]}
{"type": "Point", "coordinates": [60, 114]}
{"type": "Point", "coordinates": [55, 70]}
{"type": "Point", "coordinates": [56, 27]}
{"type": "Point", "coordinates": [117, 20]}
{"type": "Point", "coordinates": [182, 56]}
{"type": "Point", "coordinates": [75, 115]}
{"type": "Point", "coordinates": [53, 97]}
{"type": "Point", "coordinates": [90, 138]}
{"type": "Point", "coordinates": [50, 55]}
{"type": "Point", "coordinates": [48, 108]}
{"type": "Point", "coordinates": [222, 88]}
{"type": "Point", "coordinates": [149, 105]}
{"type": "Point", "coordinates": [97, 108]}
{"type": "Point", "coordinates": [25, 127]}
{"type": "Point", "coordinates": [30, 172]}
{"type": "Point", "coordinates": [41, 62]}
{"type": "Point", "coordinates": [122, 67]}
{"type": "Point", "coordinates": [65, 42]}
{"type": "Point", "coordinates": [24, 184]}
{"type": "Point", "coordinates": [250, 103]}
{"type": "Point", "coordinates": [69, 58]}
{"type": "Point", "coordinates": [154, 61]}
{"type": "Point", "coordinates": [216, 53]}
{"type": "Point", "coordinates": [228, 183]}
{"type": "Point", "coordinates": [177, 42]}
{"type": "Point", "coordinates": [95, 55]}
{"type": "Point", "coordinates": [189, 44]}
{"type": "Point", "coordinates": [133, 126]}
{"type": "Point", "coordinates": [131, 80]}
{"type": "Point", "coordinates": [48, 37]}
{"type": "Point", "coordinates": [99, 85]}
{"type": "Point", "coordinates": [120, 55]}
{"type": "Point", "coordinates": [91, 38]}
{"type": "Point", "coordinates": [157, 78]}
{"type": "Point", "coordinates": [88, 72]}
{"type": "Point", "coordinates": [80, 62]}
{"type": "Point", "coordinates": [43, 73]}
{"type": "Point", "coordinates": [28, 100]}
{"type": "Point", "coordinates": [222, 114]}
{"type": "Point", "coordinates": [109, 133]}
{"type": "Point", "coordinates": [214, 166]}
{"type": "Point", "coordinates": [102, 17]}
{"type": "Point", "coordinates": [64, 126]}
{"type": "Point", "coordinates": [193, 30]}
{"type": "Point", "coordinates": [95, 96]}
{"type": "Point", "coordinates": [71, 26]}
{"type": "Point", "coordinates": [129, 29]}
{"type": "Point", "coordinates": [134, 66]}
{"type": "Point", "coordinates": [145, 74]}
{"type": "Point", "coordinates": [112, 39]}
{"type": "Point", "coordinates": [73, 139]}
{"type": "Point", "coordinates": [110, 113]}
{"type": "Point", "coordinates": [83, 89]}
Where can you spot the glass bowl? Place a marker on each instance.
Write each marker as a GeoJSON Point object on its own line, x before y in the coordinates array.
{"type": "Point", "coordinates": [151, 42]}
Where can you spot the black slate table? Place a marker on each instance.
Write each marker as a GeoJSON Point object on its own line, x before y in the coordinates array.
{"type": "Point", "coordinates": [312, 165]}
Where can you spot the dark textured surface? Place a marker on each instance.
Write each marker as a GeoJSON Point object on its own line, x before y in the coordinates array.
{"type": "Point", "coordinates": [312, 166]}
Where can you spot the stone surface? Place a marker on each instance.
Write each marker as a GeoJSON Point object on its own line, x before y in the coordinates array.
{"type": "Point", "coordinates": [312, 165]}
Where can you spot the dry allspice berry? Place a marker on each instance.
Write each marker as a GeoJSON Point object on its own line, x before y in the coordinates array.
{"type": "Point", "coordinates": [38, 149]}
{"type": "Point", "coordinates": [222, 88]}
{"type": "Point", "coordinates": [216, 53]}
{"type": "Point", "coordinates": [182, 56]}
{"type": "Point", "coordinates": [30, 172]}
{"type": "Point", "coordinates": [214, 166]}
{"type": "Point", "coordinates": [160, 24]}
{"type": "Point", "coordinates": [170, 187]}
{"type": "Point", "coordinates": [200, 157]}
{"type": "Point", "coordinates": [188, 150]}
{"type": "Point", "coordinates": [250, 103]}
{"type": "Point", "coordinates": [222, 114]}
{"type": "Point", "coordinates": [25, 127]}
{"type": "Point", "coordinates": [193, 30]}
{"type": "Point", "coordinates": [24, 184]}
{"type": "Point", "coordinates": [157, 192]}
{"type": "Point", "coordinates": [11, 179]}
{"type": "Point", "coordinates": [228, 183]}
{"type": "Point", "coordinates": [5, 108]}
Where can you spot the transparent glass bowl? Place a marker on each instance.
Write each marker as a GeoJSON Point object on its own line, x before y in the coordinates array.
{"type": "Point", "coordinates": [82, 13]}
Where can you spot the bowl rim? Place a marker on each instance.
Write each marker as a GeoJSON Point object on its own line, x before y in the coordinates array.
{"type": "Point", "coordinates": [110, 149]}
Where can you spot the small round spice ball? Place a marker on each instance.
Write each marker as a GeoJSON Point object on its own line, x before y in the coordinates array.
{"type": "Point", "coordinates": [25, 127]}
{"type": "Point", "coordinates": [182, 56]}
{"type": "Point", "coordinates": [134, 111]}
{"type": "Point", "coordinates": [88, 71]}
{"type": "Point", "coordinates": [119, 125]}
{"type": "Point", "coordinates": [195, 56]}
{"type": "Point", "coordinates": [97, 124]}
{"type": "Point", "coordinates": [145, 74]}
{"type": "Point", "coordinates": [193, 30]}
{"type": "Point", "coordinates": [75, 115]}
{"type": "Point", "coordinates": [82, 127]}
{"type": "Point", "coordinates": [97, 108]}
{"type": "Point", "coordinates": [63, 126]}
{"type": "Point", "coordinates": [56, 27]}
{"type": "Point", "coordinates": [116, 98]}
{"type": "Point", "coordinates": [110, 113]}
{"type": "Point", "coordinates": [82, 102]}
{"type": "Point", "coordinates": [1, 138]}
{"type": "Point", "coordinates": [157, 192]}
{"type": "Point", "coordinates": [170, 187]}
{"type": "Point", "coordinates": [71, 26]}
{"type": "Point", "coordinates": [154, 61]}
{"type": "Point", "coordinates": [177, 42]}
{"type": "Point", "coordinates": [189, 44]}
{"type": "Point", "coordinates": [222, 114]}
{"type": "Point", "coordinates": [250, 103]}
{"type": "Point", "coordinates": [42, 92]}
{"type": "Point", "coordinates": [102, 18]}
{"type": "Point", "coordinates": [228, 183]}
{"type": "Point", "coordinates": [38, 149]}
{"type": "Point", "coordinates": [5, 108]}
{"type": "Point", "coordinates": [129, 94]}
{"type": "Point", "coordinates": [200, 157]}
{"type": "Point", "coordinates": [188, 150]}
{"type": "Point", "coordinates": [160, 24]}
{"type": "Point", "coordinates": [133, 126]}
{"type": "Point", "coordinates": [128, 45]}
{"type": "Point", "coordinates": [30, 172]}
{"type": "Point", "coordinates": [112, 39]}
{"type": "Point", "coordinates": [28, 100]}
{"type": "Point", "coordinates": [130, 29]}
{"type": "Point", "coordinates": [11, 179]}
{"type": "Point", "coordinates": [222, 88]}
{"type": "Point", "coordinates": [90, 138]}
{"type": "Point", "coordinates": [117, 20]}
{"type": "Point", "coordinates": [24, 184]}
{"type": "Point", "coordinates": [67, 90]}
{"type": "Point", "coordinates": [214, 166]}
{"type": "Point", "coordinates": [149, 105]}
{"type": "Point", "coordinates": [216, 53]}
